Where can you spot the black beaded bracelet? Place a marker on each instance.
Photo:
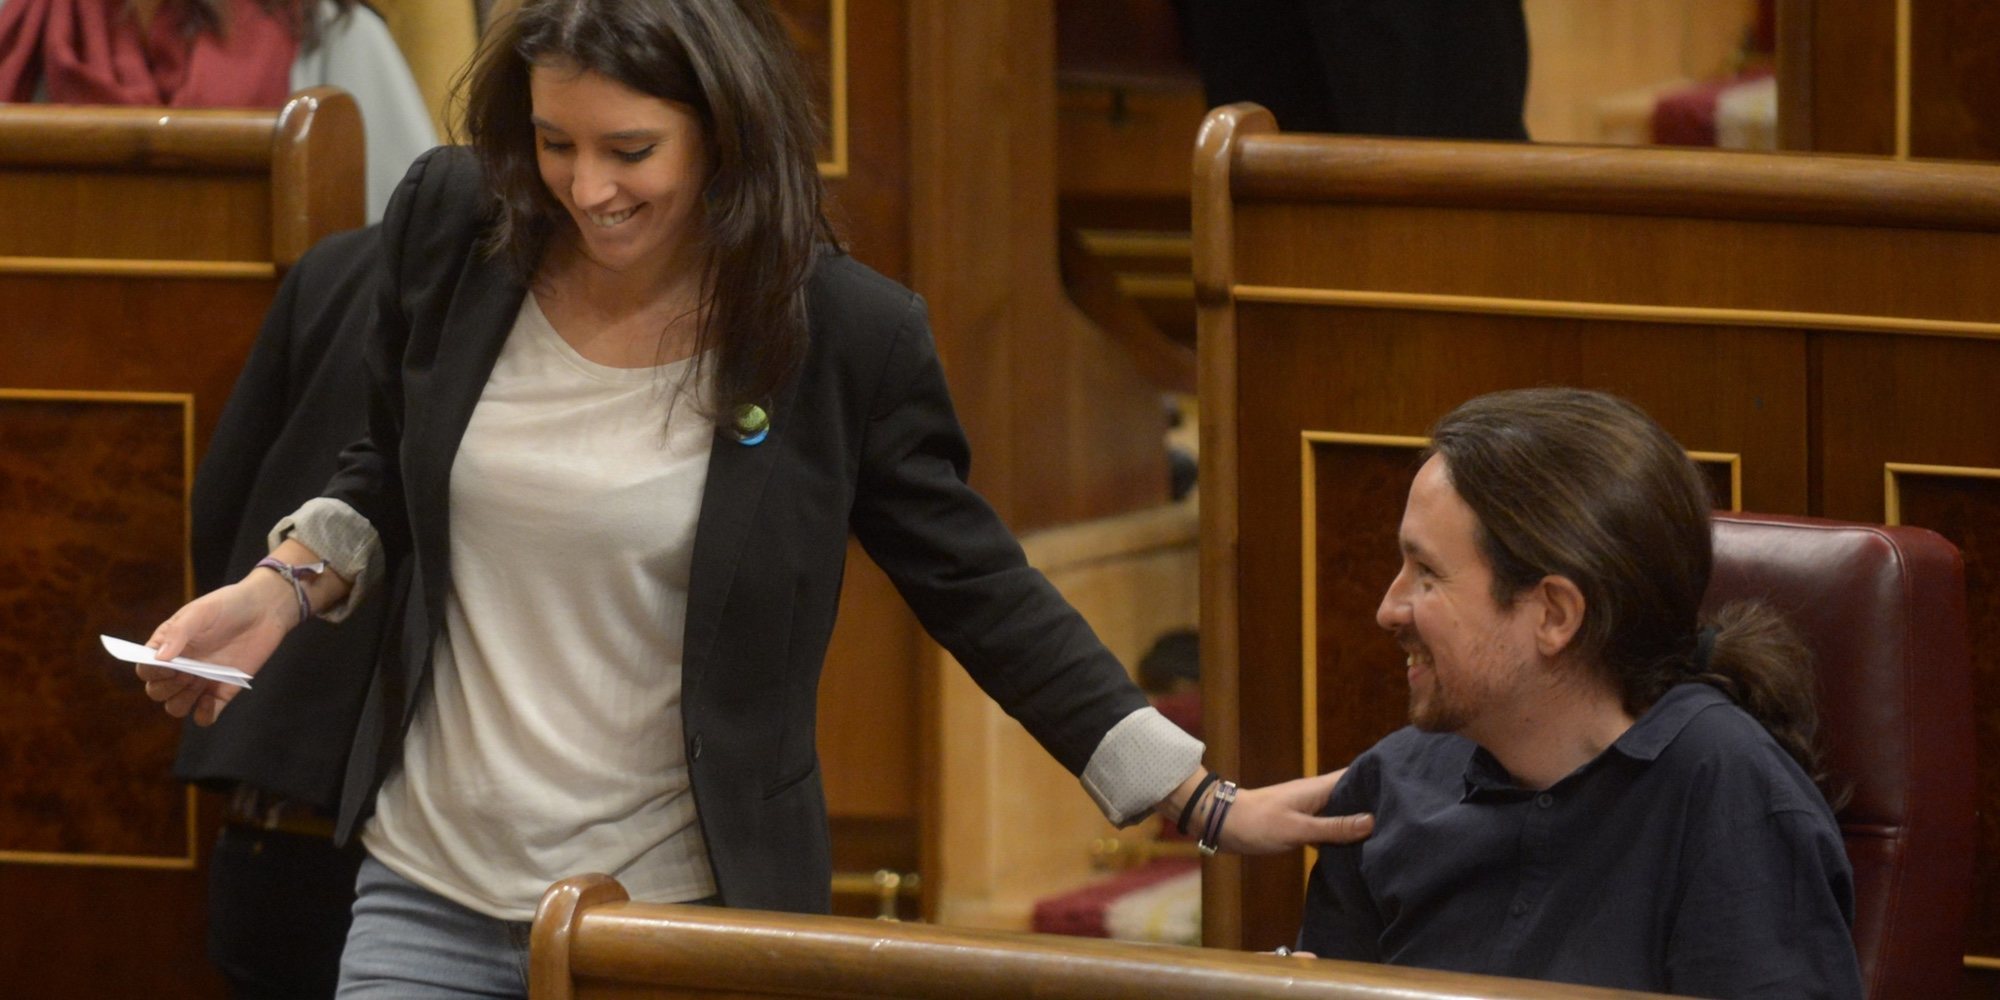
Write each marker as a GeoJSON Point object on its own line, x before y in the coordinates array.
{"type": "Point", "coordinates": [1187, 811]}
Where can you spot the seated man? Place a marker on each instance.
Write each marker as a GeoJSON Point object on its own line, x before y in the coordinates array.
{"type": "Point", "coordinates": [1596, 787]}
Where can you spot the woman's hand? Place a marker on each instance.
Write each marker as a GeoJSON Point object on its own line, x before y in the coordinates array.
{"type": "Point", "coordinates": [1285, 816]}
{"type": "Point", "coordinates": [237, 626]}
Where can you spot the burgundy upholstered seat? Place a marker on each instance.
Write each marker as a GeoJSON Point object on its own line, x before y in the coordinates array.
{"type": "Point", "coordinates": [1884, 611]}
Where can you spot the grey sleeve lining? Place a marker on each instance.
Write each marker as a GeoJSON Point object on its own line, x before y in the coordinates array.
{"type": "Point", "coordinates": [342, 537]}
{"type": "Point", "coordinates": [1138, 763]}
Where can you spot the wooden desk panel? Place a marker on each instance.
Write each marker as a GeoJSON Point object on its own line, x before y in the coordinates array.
{"type": "Point", "coordinates": [1912, 436]}
{"type": "Point", "coordinates": [139, 254]}
{"type": "Point", "coordinates": [141, 217]}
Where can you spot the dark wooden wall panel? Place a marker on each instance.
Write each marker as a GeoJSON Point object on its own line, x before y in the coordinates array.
{"type": "Point", "coordinates": [1929, 402]}
{"type": "Point", "coordinates": [1955, 79]}
{"type": "Point", "coordinates": [1838, 66]}
{"type": "Point", "coordinates": [98, 332]}
{"type": "Point", "coordinates": [1358, 680]}
{"type": "Point", "coordinates": [1837, 75]}
{"type": "Point", "coordinates": [94, 511]}
{"type": "Point", "coordinates": [81, 764]}
{"type": "Point", "coordinates": [1966, 509]}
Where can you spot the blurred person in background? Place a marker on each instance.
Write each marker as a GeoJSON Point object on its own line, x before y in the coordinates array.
{"type": "Point", "coordinates": [219, 54]}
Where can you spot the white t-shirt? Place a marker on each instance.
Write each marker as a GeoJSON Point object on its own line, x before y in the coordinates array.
{"type": "Point", "coordinates": [551, 740]}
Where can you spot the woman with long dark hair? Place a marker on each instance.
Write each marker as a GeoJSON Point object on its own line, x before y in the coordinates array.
{"type": "Point", "coordinates": [629, 403]}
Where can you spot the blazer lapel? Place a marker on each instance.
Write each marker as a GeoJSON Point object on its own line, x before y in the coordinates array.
{"type": "Point", "coordinates": [737, 474]}
{"type": "Point", "coordinates": [483, 310]}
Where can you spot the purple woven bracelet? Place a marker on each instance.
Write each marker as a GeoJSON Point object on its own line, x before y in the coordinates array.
{"type": "Point", "coordinates": [297, 576]}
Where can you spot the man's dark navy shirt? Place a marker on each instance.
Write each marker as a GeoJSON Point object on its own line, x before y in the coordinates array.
{"type": "Point", "coordinates": [1694, 856]}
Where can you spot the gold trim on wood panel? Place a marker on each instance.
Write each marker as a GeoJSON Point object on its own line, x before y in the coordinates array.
{"type": "Point", "coordinates": [1892, 496]}
{"type": "Point", "coordinates": [1902, 79]}
{"type": "Point", "coordinates": [837, 87]}
{"type": "Point", "coordinates": [1735, 463]}
{"type": "Point", "coordinates": [1616, 311]}
{"type": "Point", "coordinates": [58, 859]}
{"type": "Point", "coordinates": [122, 268]}
{"type": "Point", "coordinates": [186, 403]}
{"type": "Point", "coordinates": [1309, 575]}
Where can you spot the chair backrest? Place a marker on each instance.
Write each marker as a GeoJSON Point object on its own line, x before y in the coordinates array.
{"type": "Point", "coordinates": [1883, 609]}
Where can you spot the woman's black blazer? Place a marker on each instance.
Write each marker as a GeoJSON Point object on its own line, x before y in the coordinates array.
{"type": "Point", "coordinates": [863, 440]}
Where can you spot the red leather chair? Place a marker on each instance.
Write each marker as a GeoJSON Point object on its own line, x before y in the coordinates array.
{"type": "Point", "coordinates": [1884, 612]}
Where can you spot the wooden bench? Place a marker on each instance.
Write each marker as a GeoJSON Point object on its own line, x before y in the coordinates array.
{"type": "Point", "coordinates": [139, 250]}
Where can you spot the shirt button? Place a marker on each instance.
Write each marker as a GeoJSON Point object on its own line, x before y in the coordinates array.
{"type": "Point", "coordinates": [1545, 800]}
{"type": "Point", "coordinates": [694, 748]}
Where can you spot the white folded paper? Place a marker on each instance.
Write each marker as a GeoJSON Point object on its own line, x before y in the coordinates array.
{"type": "Point", "coordinates": [132, 652]}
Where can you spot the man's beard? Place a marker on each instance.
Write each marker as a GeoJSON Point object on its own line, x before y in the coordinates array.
{"type": "Point", "coordinates": [1435, 706]}
{"type": "Point", "coordinates": [1438, 708]}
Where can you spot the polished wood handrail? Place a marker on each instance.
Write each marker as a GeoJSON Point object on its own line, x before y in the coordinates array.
{"type": "Point", "coordinates": [310, 149]}
{"type": "Point", "coordinates": [588, 934]}
{"type": "Point", "coordinates": [138, 138]}
{"type": "Point", "coordinates": [1777, 187]}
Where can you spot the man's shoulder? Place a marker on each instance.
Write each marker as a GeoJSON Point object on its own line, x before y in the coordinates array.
{"type": "Point", "coordinates": [1413, 747]}
{"type": "Point", "coordinates": [1725, 750]}
{"type": "Point", "coordinates": [1407, 760]}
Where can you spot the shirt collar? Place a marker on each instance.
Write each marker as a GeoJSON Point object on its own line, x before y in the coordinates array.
{"type": "Point", "coordinates": [1644, 741]}
{"type": "Point", "coordinates": [1657, 729]}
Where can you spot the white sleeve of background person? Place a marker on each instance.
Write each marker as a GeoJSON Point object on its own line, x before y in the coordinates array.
{"type": "Point", "coordinates": [357, 54]}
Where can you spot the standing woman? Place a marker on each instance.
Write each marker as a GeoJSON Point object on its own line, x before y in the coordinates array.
{"type": "Point", "coordinates": [629, 403]}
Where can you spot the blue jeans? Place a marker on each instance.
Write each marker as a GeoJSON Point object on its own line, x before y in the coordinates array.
{"type": "Point", "coordinates": [409, 942]}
